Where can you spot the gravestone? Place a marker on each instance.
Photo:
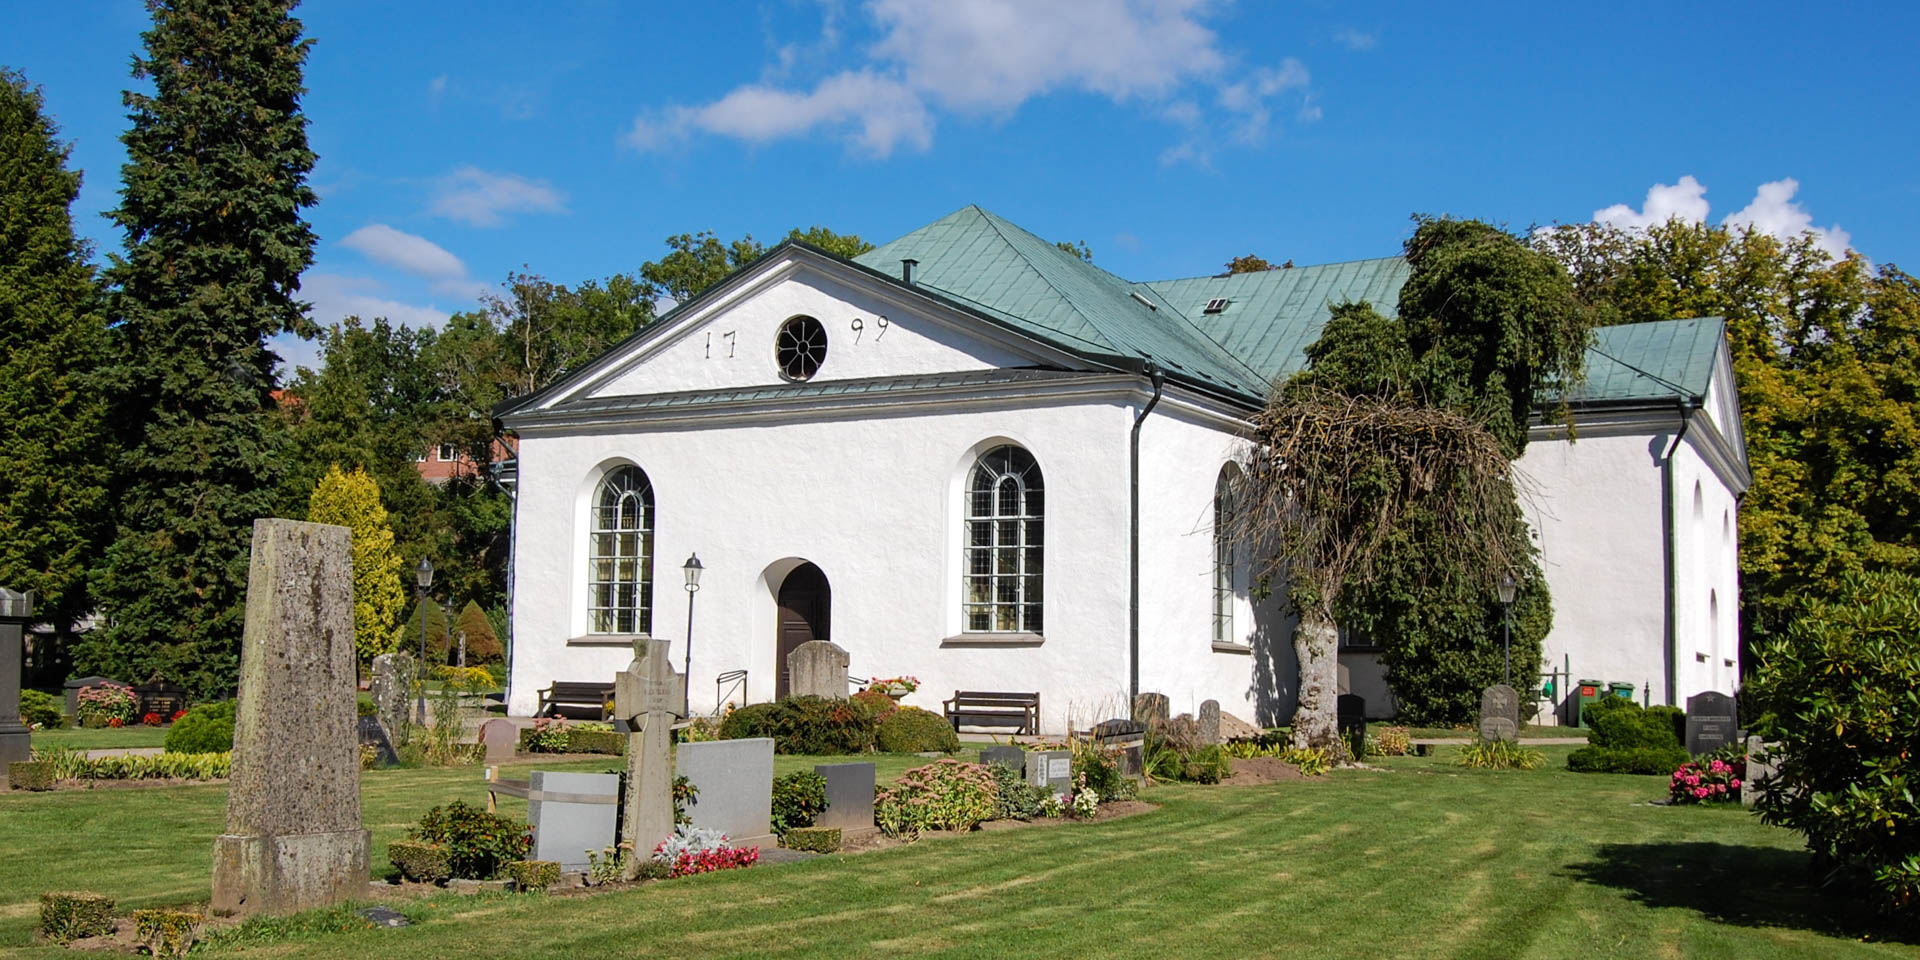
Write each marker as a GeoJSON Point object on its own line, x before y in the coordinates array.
{"type": "Point", "coordinates": [1152, 709]}
{"type": "Point", "coordinates": [1128, 738]}
{"type": "Point", "coordinates": [1499, 713]}
{"type": "Point", "coordinates": [372, 734]}
{"type": "Point", "coordinates": [645, 695]}
{"type": "Point", "coordinates": [1052, 769]}
{"type": "Point", "coordinates": [501, 738]}
{"type": "Point", "coordinates": [572, 813]}
{"type": "Point", "coordinates": [1763, 764]}
{"type": "Point", "coordinates": [1711, 721]}
{"type": "Point", "coordinates": [159, 696]}
{"type": "Point", "coordinates": [1350, 715]}
{"type": "Point", "coordinates": [735, 783]}
{"type": "Point", "coordinates": [849, 798]}
{"type": "Point", "coordinates": [818, 668]}
{"type": "Point", "coordinates": [73, 688]}
{"type": "Point", "coordinates": [393, 676]}
{"type": "Point", "coordinates": [293, 839]}
{"type": "Point", "coordinates": [16, 741]}
{"type": "Point", "coordinates": [1209, 722]}
{"type": "Point", "coordinates": [1013, 758]}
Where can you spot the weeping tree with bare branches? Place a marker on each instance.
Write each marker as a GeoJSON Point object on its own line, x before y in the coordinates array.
{"type": "Point", "coordinates": [1382, 491]}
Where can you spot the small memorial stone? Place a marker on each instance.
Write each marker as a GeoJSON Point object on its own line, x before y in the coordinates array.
{"type": "Point", "coordinates": [16, 741]}
{"type": "Point", "coordinates": [393, 675]}
{"type": "Point", "coordinates": [1128, 738]}
{"type": "Point", "coordinates": [849, 798]}
{"type": "Point", "coordinates": [1763, 764]}
{"type": "Point", "coordinates": [1052, 769]}
{"type": "Point", "coordinates": [1499, 713]}
{"type": "Point", "coordinates": [501, 738]}
{"type": "Point", "coordinates": [1013, 758]}
{"type": "Point", "coordinates": [735, 783]}
{"type": "Point", "coordinates": [1209, 722]}
{"type": "Point", "coordinates": [1152, 708]}
{"type": "Point", "coordinates": [1711, 721]}
{"type": "Point", "coordinates": [818, 668]}
{"type": "Point", "coordinates": [1350, 715]}
{"type": "Point", "coordinates": [371, 734]}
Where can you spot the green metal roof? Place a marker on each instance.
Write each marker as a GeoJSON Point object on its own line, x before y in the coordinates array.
{"type": "Point", "coordinates": [1271, 317]}
{"type": "Point", "coordinates": [1652, 361]}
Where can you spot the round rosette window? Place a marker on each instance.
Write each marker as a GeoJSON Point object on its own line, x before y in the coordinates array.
{"type": "Point", "coordinates": [800, 348]}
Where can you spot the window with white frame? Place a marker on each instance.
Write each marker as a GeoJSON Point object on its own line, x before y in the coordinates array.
{"type": "Point", "coordinates": [1225, 571]}
{"type": "Point", "coordinates": [1005, 519]}
{"type": "Point", "coordinates": [620, 554]}
{"type": "Point", "coordinates": [446, 453]}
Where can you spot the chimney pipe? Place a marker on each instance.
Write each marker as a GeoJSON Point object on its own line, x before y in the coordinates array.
{"type": "Point", "coordinates": [906, 269]}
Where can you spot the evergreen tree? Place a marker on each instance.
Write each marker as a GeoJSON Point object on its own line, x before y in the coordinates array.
{"type": "Point", "coordinates": [352, 500]}
{"type": "Point", "coordinates": [53, 488]}
{"type": "Point", "coordinates": [215, 244]}
{"type": "Point", "coordinates": [483, 646]}
{"type": "Point", "coordinates": [407, 635]}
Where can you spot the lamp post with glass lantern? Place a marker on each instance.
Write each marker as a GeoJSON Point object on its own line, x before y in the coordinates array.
{"type": "Point", "coordinates": [422, 578]}
{"type": "Point", "coordinates": [692, 569]}
{"type": "Point", "coordinates": [1505, 591]}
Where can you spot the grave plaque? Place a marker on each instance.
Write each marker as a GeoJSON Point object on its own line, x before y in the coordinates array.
{"type": "Point", "coordinates": [293, 839]}
{"type": "Point", "coordinates": [371, 734]}
{"type": "Point", "coordinates": [393, 675]}
{"type": "Point", "coordinates": [818, 668]}
{"type": "Point", "coordinates": [1763, 764]}
{"type": "Point", "coordinates": [1209, 722]}
{"type": "Point", "coordinates": [15, 739]}
{"type": "Point", "coordinates": [1013, 758]}
{"type": "Point", "coordinates": [1350, 715]}
{"type": "Point", "coordinates": [849, 798]}
{"type": "Point", "coordinates": [501, 738]}
{"type": "Point", "coordinates": [160, 696]}
{"type": "Point", "coordinates": [1711, 721]}
{"type": "Point", "coordinates": [735, 783]}
{"type": "Point", "coordinates": [571, 813]}
{"type": "Point", "coordinates": [1052, 769]}
{"type": "Point", "coordinates": [1499, 713]}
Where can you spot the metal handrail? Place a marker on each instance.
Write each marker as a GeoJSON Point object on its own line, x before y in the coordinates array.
{"type": "Point", "coordinates": [736, 677]}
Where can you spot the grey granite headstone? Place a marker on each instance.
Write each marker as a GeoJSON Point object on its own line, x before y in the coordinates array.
{"type": "Point", "coordinates": [1763, 764]}
{"type": "Point", "coordinates": [818, 668]}
{"type": "Point", "coordinates": [735, 783]}
{"type": "Point", "coordinates": [571, 813]}
{"type": "Point", "coordinates": [75, 685]}
{"type": "Point", "coordinates": [501, 738]}
{"type": "Point", "coordinates": [1013, 758]}
{"type": "Point", "coordinates": [1499, 713]}
{"type": "Point", "coordinates": [1209, 721]}
{"type": "Point", "coordinates": [393, 677]}
{"type": "Point", "coordinates": [372, 734]}
{"type": "Point", "coordinates": [1152, 708]}
{"type": "Point", "coordinates": [849, 798]}
{"type": "Point", "coordinates": [16, 741]}
{"type": "Point", "coordinates": [1712, 719]}
{"type": "Point", "coordinates": [1128, 738]}
{"type": "Point", "coordinates": [293, 839]}
{"type": "Point", "coordinates": [1052, 769]}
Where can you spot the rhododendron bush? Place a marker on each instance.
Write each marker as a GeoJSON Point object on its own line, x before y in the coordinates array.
{"type": "Point", "coordinates": [1713, 779]}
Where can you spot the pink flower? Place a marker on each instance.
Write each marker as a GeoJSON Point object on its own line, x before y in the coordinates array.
{"type": "Point", "coordinates": [1736, 783]}
{"type": "Point", "coordinates": [1700, 792]}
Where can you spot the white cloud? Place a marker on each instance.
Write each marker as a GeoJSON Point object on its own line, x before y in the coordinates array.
{"type": "Point", "coordinates": [436, 88]}
{"type": "Point", "coordinates": [989, 57]}
{"type": "Point", "coordinates": [1686, 200]}
{"type": "Point", "coordinates": [404, 251]}
{"type": "Point", "coordinates": [336, 297]}
{"type": "Point", "coordinates": [1356, 40]}
{"type": "Point", "coordinates": [481, 198]}
{"type": "Point", "coordinates": [1772, 211]}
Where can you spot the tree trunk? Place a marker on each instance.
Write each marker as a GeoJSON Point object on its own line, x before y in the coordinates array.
{"type": "Point", "coordinates": [1316, 643]}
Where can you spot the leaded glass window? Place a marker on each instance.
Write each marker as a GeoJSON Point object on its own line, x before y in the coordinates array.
{"type": "Point", "coordinates": [1006, 539]}
{"type": "Point", "coordinates": [1225, 572]}
{"type": "Point", "coordinates": [620, 555]}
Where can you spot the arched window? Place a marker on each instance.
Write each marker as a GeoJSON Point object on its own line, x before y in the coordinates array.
{"type": "Point", "coordinates": [1005, 510]}
{"type": "Point", "coordinates": [1225, 572]}
{"type": "Point", "coordinates": [620, 555]}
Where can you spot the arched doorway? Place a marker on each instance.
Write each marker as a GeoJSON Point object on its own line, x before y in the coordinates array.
{"type": "Point", "coordinates": [805, 604]}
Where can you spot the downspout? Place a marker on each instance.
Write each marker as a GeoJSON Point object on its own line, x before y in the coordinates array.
{"type": "Point", "coordinates": [1667, 533]}
{"type": "Point", "coordinates": [513, 543]}
{"type": "Point", "coordinates": [1158, 378]}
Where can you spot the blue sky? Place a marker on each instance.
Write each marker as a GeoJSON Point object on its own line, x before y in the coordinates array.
{"type": "Point", "coordinates": [1169, 135]}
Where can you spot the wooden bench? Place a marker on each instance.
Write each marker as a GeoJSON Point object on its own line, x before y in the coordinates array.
{"type": "Point", "coordinates": [986, 708]}
{"type": "Point", "coordinates": [594, 698]}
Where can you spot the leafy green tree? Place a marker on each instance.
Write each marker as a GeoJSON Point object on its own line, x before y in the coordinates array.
{"type": "Point", "coordinates": [1079, 249]}
{"type": "Point", "coordinates": [696, 261]}
{"type": "Point", "coordinates": [407, 635]}
{"type": "Point", "coordinates": [848, 245]}
{"type": "Point", "coordinates": [214, 186]}
{"type": "Point", "coordinates": [1823, 358]}
{"type": "Point", "coordinates": [352, 500]}
{"type": "Point", "coordinates": [53, 489]}
{"type": "Point", "coordinates": [1248, 264]}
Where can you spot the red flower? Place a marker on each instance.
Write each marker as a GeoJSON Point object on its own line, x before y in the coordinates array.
{"type": "Point", "coordinates": [151, 719]}
{"type": "Point", "coordinates": [115, 722]}
{"type": "Point", "coordinates": [177, 714]}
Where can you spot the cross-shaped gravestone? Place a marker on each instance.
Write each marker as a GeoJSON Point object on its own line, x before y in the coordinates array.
{"type": "Point", "coordinates": [1499, 713]}
{"type": "Point", "coordinates": [644, 695]}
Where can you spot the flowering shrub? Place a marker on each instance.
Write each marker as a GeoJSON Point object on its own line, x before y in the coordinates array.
{"type": "Point", "coordinates": [710, 860]}
{"type": "Point", "coordinates": [694, 850]}
{"type": "Point", "coordinates": [549, 735]}
{"type": "Point", "coordinates": [151, 720]}
{"type": "Point", "coordinates": [1083, 802]}
{"type": "Point", "coordinates": [105, 705]}
{"type": "Point", "coordinates": [1713, 779]}
{"type": "Point", "coordinates": [943, 795]}
{"type": "Point", "coordinates": [895, 686]}
{"type": "Point", "coordinates": [1390, 742]}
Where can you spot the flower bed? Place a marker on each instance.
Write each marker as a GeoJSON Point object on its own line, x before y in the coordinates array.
{"type": "Point", "coordinates": [105, 705]}
{"type": "Point", "coordinates": [1711, 779]}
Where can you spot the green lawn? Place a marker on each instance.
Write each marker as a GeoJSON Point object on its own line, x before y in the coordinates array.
{"type": "Point", "coordinates": [1421, 859]}
{"type": "Point", "coordinates": [1468, 733]}
{"type": "Point", "coordinates": [81, 738]}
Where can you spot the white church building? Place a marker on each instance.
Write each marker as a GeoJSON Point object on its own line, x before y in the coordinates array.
{"type": "Point", "coordinates": [970, 457]}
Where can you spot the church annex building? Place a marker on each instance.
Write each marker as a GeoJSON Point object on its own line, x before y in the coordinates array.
{"type": "Point", "coordinates": [930, 455]}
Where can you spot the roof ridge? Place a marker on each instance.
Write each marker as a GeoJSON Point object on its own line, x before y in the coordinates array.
{"type": "Point", "coordinates": [1258, 273]}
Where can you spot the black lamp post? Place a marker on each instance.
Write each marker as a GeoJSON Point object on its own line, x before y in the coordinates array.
{"type": "Point", "coordinates": [422, 578]}
{"type": "Point", "coordinates": [1505, 591]}
{"type": "Point", "coordinates": [692, 569]}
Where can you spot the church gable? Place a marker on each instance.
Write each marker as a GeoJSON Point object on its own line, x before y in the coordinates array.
{"type": "Point", "coordinates": [799, 316]}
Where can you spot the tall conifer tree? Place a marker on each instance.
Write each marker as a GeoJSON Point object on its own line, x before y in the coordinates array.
{"type": "Point", "coordinates": [215, 244]}
{"type": "Point", "coordinates": [53, 487]}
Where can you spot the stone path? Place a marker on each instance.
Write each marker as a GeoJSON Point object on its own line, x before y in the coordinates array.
{"type": "Point", "coordinates": [1524, 741]}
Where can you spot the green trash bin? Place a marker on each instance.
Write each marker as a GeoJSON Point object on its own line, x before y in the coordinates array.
{"type": "Point", "coordinates": [1588, 691]}
{"type": "Point", "coordinates": [1622, 690]}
